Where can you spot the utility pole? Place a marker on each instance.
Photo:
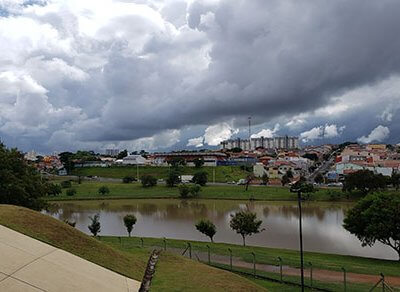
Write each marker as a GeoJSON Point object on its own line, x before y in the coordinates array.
{"type": "Point", "coordinates": [301, 241]}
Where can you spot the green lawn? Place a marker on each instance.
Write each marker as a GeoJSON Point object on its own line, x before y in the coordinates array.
{"type": "Point", "coordinates": [173, 273]}
{"type": "Point", "coordinates": [269, 255]}
{"type": "Point", "coordinates": [89, 190]}
{"type": "Point", "coordinates": [222, 173]}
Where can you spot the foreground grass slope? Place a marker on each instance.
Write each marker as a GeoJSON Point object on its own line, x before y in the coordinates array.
{"type": "Point", "coordinates": [174, 273]}
{"type": "Point", "coordinates": [89, 190]}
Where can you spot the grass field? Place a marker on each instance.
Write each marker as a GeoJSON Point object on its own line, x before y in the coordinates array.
{"type": "Point", "coordinates": [222, 173]}
{"type": "Point", "coordinates": [174, 273]}
{"type": "Point", "coordinates": [89, 190]}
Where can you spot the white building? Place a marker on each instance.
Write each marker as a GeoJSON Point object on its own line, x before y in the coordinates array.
{"type": "Point", "coordinates": [266, 143]}
{"type": "Point", "coordinates": [133, 160]}
{"type": "Point", "coordinates": [112, 152]}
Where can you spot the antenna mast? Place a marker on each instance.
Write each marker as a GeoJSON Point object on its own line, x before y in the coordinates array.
{"type": "Point", "coordinates": [249, 128]}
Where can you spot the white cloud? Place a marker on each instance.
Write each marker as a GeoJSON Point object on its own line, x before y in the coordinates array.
{"type": "Point", "coordinates": [267, 133]}
{"type": "Point", "coordinates": [196, 142]}
{"type": "Point", "coordinates": [214, 135]}
{"type": "Point", "coordinates": [378, 134]}
{"type": "Point", "coordinates": [217, 133]}
{"type": "Point", "coordinates": [327, 131]}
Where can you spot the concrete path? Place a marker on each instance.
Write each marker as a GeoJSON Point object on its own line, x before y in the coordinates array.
{"type": "Point", "coordinates": [27, 264]}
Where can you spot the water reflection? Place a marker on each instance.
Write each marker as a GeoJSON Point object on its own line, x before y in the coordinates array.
{"type": "Point", "coordinates": [322, 222]}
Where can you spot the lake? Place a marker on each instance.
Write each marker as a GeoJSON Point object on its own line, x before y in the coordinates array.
{"type": "Point", "coordinates": [172, 218]}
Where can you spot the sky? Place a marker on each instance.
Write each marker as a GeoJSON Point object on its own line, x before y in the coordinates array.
{"type": "Point", "coordinates": [186, 74]}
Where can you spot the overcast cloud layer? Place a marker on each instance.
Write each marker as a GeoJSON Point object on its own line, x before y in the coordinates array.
{"type": "Point", "coordinates": [160, 75]}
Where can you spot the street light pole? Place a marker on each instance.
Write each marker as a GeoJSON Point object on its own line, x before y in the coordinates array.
{"type": "Point", "coordinates": [301, 241]}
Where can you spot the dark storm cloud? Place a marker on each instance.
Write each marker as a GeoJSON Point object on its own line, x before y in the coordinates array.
{"type": "Point", "coordinates": [140, 70]}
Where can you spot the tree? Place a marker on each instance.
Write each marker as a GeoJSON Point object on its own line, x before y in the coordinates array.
{"type": "Point", "coordinates": [148, 181]}
{"type": "Point", "coordinates": [200, 178]}
{"type": "Point", "coordinates": [305, 188]}
{"type": "Point", "coordinates": [66, 160]}
{"type": "Point", "coordinates": [177, 161]}
{"type": "Point", "coordinates": [249, 179]}
{"type": "Point", "coordinates": [94, 227]}
{"type": "Point", "coordinates": [395, 180]}
{"type": "Point", "coordinates": [20, 183]}
{"type": "Point", "coordinates": [104, 190]}
{"type": "Point", "coordinates": [122, 154]}
{"type": "Point", "coordinates": [376, 218]}
{"type": "Point", "coordinates": [128, 179]}
{"type": "Point", "coordinates": [129, 221]}
{"type": "Point", "coordinates": [285, 180]}
{"type": "Point", "coordinates": [265, 179]}
{"type": "Point", "coordinates": [206, 227]}
{"type": "Point", "coordinates": [245, 223]}
{"type": "Point", "coordinates": [319, 179]}
{"type": "Point", "coordinates": [173, 179]}
{"type": "Point", "coordinates": [365, 181]}
{"type": "Point", "coordinates": [198, 162]}
{"type": "Point", "coordinates": [311, 156]}
{"type": "Point", "coordinates": [70, 192]}
{"type": "Point", "coordinates": [53, 189]}
{"type": "Point", "coordinates": [289, 173]}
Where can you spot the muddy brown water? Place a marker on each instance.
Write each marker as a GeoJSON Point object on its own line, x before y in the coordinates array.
{"type": "Point", "coordinates": [171, 218]}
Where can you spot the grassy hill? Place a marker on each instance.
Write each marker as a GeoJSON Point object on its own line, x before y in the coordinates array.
{"type": "Point", "coordinates": [222, 173]}
{"type": "Point", "coordinates": [174, 273]}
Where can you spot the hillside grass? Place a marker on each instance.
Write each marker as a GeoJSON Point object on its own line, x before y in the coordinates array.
{"type": "Point", "coordinates": [89, 190]}
{"type": "Point", "coordinates": [174, 273]}
{"type": "Point", "coordinates": [222, 173]}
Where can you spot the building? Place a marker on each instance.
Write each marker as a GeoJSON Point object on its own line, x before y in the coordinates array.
{"type": "Point", "coordinates": [209, 158]}
{"type": "Point", "coordinates": [133, 160]}
{"type": "Point", "coordinates": [112, 152]}
{"type": "Point", "coordinates": [285, 142]}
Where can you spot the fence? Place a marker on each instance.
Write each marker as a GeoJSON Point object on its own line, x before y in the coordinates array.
{"type": "Point", "coordinates": [280, 272]}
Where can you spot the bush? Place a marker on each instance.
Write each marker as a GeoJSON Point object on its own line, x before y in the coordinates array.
{"type": "Point", "coordinates": [148, 181]}
{"type": "Point", "coordinates": [104, 190]}
{"type": "Point", "coordinates": [71, 192]}
{"type": "Point", "coordinates": [184, 191]}
{"type": "Point", "coordinates": [128, 179]}
{"type": "Point", "coordinates": [195, 190]}
{"type": "Point", "coordinates": [66, 184]}
{"type": "Point", "coordinates": [334, 195]}
{"type": "Point", "coordinates": [200, 178]}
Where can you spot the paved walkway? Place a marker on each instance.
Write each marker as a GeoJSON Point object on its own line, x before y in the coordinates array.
{"type": "Point", "coordinates": [27, 264]}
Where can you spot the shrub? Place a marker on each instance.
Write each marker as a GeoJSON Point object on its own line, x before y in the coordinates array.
{"type": "Point", "coordinates": [128, 179]}
{"type": "Point", "coordinates": [184, 191]}
{"type": "Point", "coordinates": [66, 184]}
{"type": "Point", "coordinates": [104, 190]}
{"type": "Point", "coordinates": [195, 190]}
{"type": "Point", "coordinates": [71, 192]}
{"type": "Point", "coordinates": [148, 181]}
{"type": "Point", "coordinates": [54, 189]}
